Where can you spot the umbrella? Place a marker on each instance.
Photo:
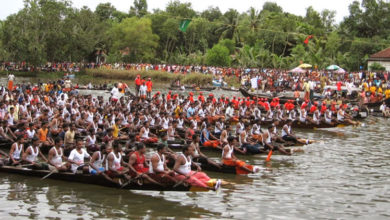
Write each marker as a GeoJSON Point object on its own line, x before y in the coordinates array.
{"type": "Point", "coordinates": [341, 71]}
{"type": "Point", "coordinates": [333, 67]}
{"type": "Point", "coordinates": [298, 70]}
{"type": "Point", "coordinates": [305, 65]}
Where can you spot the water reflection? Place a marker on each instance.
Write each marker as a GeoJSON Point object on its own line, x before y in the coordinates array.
{"type": "Point", "coordinates": [78, 200]}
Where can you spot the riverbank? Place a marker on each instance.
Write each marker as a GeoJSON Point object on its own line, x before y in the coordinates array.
{"type": "Point", "coordinates": [157, 76]}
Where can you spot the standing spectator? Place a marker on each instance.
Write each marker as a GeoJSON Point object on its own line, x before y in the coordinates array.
{"type": "Point", "coordinates": [137, 85]}
{"type": "Point", "coordinates": [149, 86]}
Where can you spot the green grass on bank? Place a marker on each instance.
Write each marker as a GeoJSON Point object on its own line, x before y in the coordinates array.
{"type": "Point", "coordinates": [157, 76]}
{"type": "Point", "coordinates": [129, 75]}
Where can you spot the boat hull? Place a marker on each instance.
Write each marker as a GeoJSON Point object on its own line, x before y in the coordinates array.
{"type": "Point", "coordinates": [93, 180]}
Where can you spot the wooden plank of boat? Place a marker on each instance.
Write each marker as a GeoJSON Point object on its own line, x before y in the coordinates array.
{"type": "Point", "coordinates": [378, 104]}
{"type": "Point", "coordinates": [94, 180]}
{"type": "Point", "coordinates": [230, 89]}
{"type": "Point", "coordinates": [302, 125]}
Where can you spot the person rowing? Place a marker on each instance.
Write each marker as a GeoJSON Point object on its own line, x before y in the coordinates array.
{"type": "Point", "coordinates": [173, 137]}
{"type": "Point", "coordinates": [198, 156]}
{"type": "Point", "coordinates": [247, 144]}
{"type": "Point", "coordinates": [16, 152]}
{"type": "Point", "coordinates": [267, 142]}
{"type": "Point", "coordinates": [77, 157]}
{"type": "Point", "coordinates": [328, 117]}
{"type": "Point", "coordinates": [158, 169]}
{"type": "Point", "coordinates": [288, 135]}
{"type": "Point", "coordinates": [138, 165]}
{"type": "Point", "coordinates": [344, 117]}
{"type": "Point", "coordinates": [97, 162]}
{"type": "Point", "coordinates": [56, 156]}
{"type": "Point", "coordinates": [137, 162]}
{"type": "Point", "coordinates": [31, 154]}
{"type": "Point", "coordinates": [6, 133]}
{"type": "Point", "coordinates": [207, 139]}
{"type": "Point", "coordinates": [229, 158]}
{"type": "Point", "coordinates": [146, 136]}
{"type": "Point", "coordinates": [115, 164]}
{"type": "Point", "coordinates": [182, 167]}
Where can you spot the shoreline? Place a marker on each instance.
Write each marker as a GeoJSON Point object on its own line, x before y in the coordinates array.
{"type": "Point", "coordinates": [129, 75]}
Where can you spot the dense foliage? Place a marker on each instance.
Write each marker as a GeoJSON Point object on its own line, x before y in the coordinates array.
{"type": "Point", "coordinates": [54, 31]}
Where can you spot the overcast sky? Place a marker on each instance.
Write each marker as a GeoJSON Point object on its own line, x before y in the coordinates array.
{"type": "Point", "coordinates": [297, 7]}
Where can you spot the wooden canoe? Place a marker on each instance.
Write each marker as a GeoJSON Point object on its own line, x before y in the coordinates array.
{"type": "Point", "coordinates": [94, 180]}
{"type": "Point", "coordinates": [301, 125]}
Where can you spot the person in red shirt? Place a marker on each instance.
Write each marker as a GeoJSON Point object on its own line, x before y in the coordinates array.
{"type": "Point", "coordinates": [304, 105]}
{"type": "Point", "coordinates": [339, 86]}
{"type": "Point", "coordinates": [137, 162]}
{"type": "Point", "coordinates": [149, 86]}
{"type": "Point", "coordinates": [138, 84]}
{"type": "Point", "coordinates": [169, 95]}
{"type": "Point", "coordinates": [201, 97]}
{"type": "Point", "coordinates": [323, 108]}
{"type": "Point", "coordinates": [191, 97]}
{"type": "Point", "coordinates": [313, 108]}
{"type": "Point", "coordinates": [266, 104]}
{"type": "Point", "coordinates": [247, 102]}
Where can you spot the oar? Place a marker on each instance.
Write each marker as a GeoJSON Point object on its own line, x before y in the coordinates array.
{"type": "Point", "coordinates": [181, 182]}
{"type": "Point", "coordinates": [269, 156]}
{"type": "Point", "coordinates": [53, 171]}
{"type": "Point", "coordinates": [4, 153]}
{"type": "Point", "coordinates": [131, 181]}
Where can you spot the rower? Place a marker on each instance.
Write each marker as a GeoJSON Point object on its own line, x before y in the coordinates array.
{"type": "Point", "coordinates": [115, 164]}
{"type": "Point", "coordinates": [229, 158]}
{"type": "Point", "coordinates": [31, 154]}
{"type": "Point", "coordinates": [138, 165]}
{"type": "Point", "coordinates": [172, 135]}
{"type": "Point", "coordinates": [328, 117]}
{"type": "Point", "coordinates": [198, 156]}
{"type": "Point", "coordinates": [17, 150]}
{"type": "Point", "coordinates": [6, 133]}
{"type": "Point", "coordinates": [90, 142]}
{"type": "Point", "coordinates": [287, 134]}
{"type": "Point", "coordinates": [77, 156]}
{"type": "Point", "coordinates": [97, 159]}
{"type": "Point", "coordinates": [267, 141]}
{"type": "Point", "coordinates": [145, 135]}
{"type": "Point", "coordinates": [225, 134]}
{"type": "Point", "coordinates": [316, 116]}
{"type": "Point", "coordinates": [246, 143]}
{"type": "Point", "coordinates": [43, 135]}
{"type": "Point", "coordinates": [56, 156]}
{"type": "Point", "coordinates": [137, 161]}
{"type": "Point", "coordinates": [182, 167]}
{"type": "Point", "coordinates": [158, 169]}
{"type": "Point", "coordinates": [207, 139]}
{"type": "Point", "coordinates": [342, 116]}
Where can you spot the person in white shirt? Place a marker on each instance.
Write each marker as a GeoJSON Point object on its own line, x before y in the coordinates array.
{"type": "Point", "coordinates": [143, 90]}
{"type": "Point", "coordinates": [254, 83]}
{"type": "Point", "coordinates": [77, 156]}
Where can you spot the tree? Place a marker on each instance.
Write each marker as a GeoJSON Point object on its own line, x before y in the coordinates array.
{"type": "Point", "coordinates": [134, 36]}
{"type": "Point", "coordinates": [272, 7]}
{"type": "Point", "coordinates": [218, 56]}
{"type": "Point", "coordinates": [139, 9]}
{"type": "Point", "coordinates": [376, 67]}
{"type": "Point", "coordinates": [105, 11]}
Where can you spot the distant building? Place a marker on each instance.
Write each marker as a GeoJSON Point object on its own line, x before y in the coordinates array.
{"type": "Point", "coordinates": [382, 57]}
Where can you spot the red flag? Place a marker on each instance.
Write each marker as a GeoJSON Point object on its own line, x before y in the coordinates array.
{"type": "Point", "coordinates": [307, 39]}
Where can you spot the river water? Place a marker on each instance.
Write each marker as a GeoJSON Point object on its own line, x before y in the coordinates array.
{"type": "Point", "coordinates": [344, 176]}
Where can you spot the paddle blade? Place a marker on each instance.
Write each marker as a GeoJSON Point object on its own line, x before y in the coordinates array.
{"type": "Point", "coordinates": [269, 156]}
